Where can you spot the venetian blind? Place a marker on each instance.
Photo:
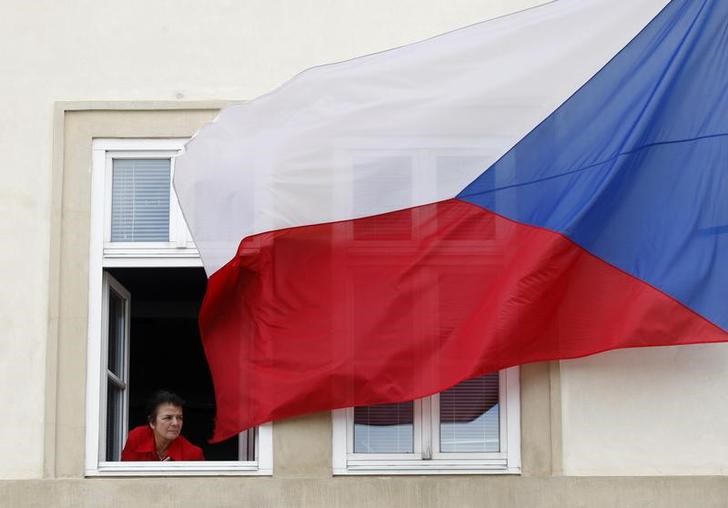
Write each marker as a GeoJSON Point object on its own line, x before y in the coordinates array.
{"type": "Point", "coordinates": [469, 416]}
{"type": "Point", "coordinates": [140, 200]}
{"type": "Point", "coordinates": [384, 428]}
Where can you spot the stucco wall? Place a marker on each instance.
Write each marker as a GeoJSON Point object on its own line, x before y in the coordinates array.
{"type": "Point", "coordinates": [646, 412]}
{"type": "Point", "coordinates": [657, 411]}
{"type": "Point", "coordinates": [420, 492]}
{"type": "Point", "coordinates": [145, 50]}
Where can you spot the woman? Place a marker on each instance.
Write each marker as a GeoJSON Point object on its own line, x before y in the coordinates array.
{"type": "Point", "coordinates": [161, 438]}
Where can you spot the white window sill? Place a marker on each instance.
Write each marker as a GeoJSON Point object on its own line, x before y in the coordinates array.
{"type": "Point", "coordinates": [179, 468]}
{"type": "Point", "coordinates": [150, 255]}
{"type": "Point", "coordinates": [426, 467]}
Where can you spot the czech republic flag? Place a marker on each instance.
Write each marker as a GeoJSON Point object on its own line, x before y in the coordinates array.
{"type": "Point", "coordinates": [546, 185]}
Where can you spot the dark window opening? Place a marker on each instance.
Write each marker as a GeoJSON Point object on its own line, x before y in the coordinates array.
{"type": "Point", "coordinates": [166, 352]}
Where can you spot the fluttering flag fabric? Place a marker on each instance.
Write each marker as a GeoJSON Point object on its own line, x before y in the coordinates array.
{"type": "Point", "coordinates": [546, 185]}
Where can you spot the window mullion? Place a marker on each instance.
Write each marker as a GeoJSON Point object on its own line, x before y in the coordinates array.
{"type": "Point", "coordinates": [417, 428]}
{"type": "Point", "coordinates": [350, 429]}
{"type": "Point", "coordinates": [426, 426]}
{"type": "Point", "coordinates": [178, 232]}
{"type": "Point", "coordinates": [503, 414]}
{"type": "Point", "coordinates": [435, 416]}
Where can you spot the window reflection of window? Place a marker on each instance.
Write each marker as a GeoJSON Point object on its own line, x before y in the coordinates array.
{"type": "Point", "coordinates": [396, 171]}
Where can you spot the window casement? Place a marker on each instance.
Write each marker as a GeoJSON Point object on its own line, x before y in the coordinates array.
{"type": "Point", "coordinates": [115, 312]}
{"type": "Point", "coordinates": [472, 428]}
{"type": "Point", "coordinates": [145, 288]}
{"type": "Point", "coordinates": [143, 224]}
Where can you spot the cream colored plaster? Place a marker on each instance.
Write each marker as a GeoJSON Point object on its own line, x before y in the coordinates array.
{"type": "Point", "coordinates": [656, 411]}
{"type": "Point", "coordinates": [540, 439]}
{"type": "Point", "coordinates": [302, 446]}
{"type": "Point", "coordinates": [66, 446]}
{"type": "Point", "coordinates": [633, 412]}
{"type": "Point", "coordinates": [150, 50]}
{"type": "Point", "coordinates": [348, 492]}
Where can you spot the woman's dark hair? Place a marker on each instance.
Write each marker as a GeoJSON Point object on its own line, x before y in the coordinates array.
{"type": "Point", "coordinates": [162, 397]}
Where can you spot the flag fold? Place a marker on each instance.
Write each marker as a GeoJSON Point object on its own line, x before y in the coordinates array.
{"type": "Point", "coordinates": [546, 185]}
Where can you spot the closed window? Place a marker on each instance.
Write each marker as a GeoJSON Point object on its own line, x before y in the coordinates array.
{"type": "Point", "coordinates": [140, 197]}
{"type": "Point", "coordinates": [472, 427]}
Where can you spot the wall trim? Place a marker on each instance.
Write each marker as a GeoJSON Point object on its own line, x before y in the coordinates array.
{"type": "Point", "coordinates": [58, 213]}
{"type": "Point", "coordinates": [353, 492]}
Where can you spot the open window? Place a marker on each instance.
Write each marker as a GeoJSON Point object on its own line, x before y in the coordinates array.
{"type": "Point", "coordinates": [115, 363]}
{"type": "Point", "coordinates": [146, 288]}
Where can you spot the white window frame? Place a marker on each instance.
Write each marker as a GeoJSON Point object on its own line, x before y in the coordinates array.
{"type": "Point", "coordinates": [122, 381]}
{"type": "Point", "coordinates": [179, 252]}
{"type": "Point", "coordinates": [426, 459]}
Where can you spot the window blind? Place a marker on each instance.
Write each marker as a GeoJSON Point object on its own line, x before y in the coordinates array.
{"type": "Point", "coordinates": [140, 200]}
{"type": "Point", "coordinates": [384, 428]}
{"type": "Point", "coordinates": [469, 416]}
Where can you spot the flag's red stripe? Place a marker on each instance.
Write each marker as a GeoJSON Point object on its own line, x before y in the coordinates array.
{"type": "Point", "coordinates": [326, 316]}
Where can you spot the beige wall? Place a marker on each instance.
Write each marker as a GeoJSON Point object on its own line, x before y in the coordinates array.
{"type": "Point", "coordinates": [378, 492]}
{"type": "Point", "coordinates": [302, 446]}
{"type": "Point", "coordinates": [144, 50]}
{"type": "Point", "coordinates": [656, 411]}
{"type": "Point", "coordinates": [649, 412]}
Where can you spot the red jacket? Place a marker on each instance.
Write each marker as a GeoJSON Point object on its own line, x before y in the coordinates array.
{"type": "Point", "coordinates": [140, 446]}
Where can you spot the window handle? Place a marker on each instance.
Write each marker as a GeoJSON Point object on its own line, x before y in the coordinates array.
{"type": "Point", "coordinates": [427, 452]}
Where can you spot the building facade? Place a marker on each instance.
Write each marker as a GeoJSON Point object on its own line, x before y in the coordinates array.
{"type": "Point", "coordinates": [98, 84]}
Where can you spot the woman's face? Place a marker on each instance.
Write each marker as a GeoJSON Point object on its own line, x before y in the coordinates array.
{"type": "Point", "coordinates": [168, 423]}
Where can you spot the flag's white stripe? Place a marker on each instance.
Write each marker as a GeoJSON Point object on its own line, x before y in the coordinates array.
{"type": "Point", "coordinates": [396, 129]}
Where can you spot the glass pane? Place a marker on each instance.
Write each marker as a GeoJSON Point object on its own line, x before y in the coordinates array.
{"type": "Point", "coordinates": [384, 428]}
{"type": "Point", "coordinates": [366, 192]}
{"type": "Point", "coordinates": [113, 422]}
{"type": "Point", "coordinates": [140, 200]}
{"type": "Point", "coordinates": [116, 333]}
{"type": "Point", "coordinates": [247, 444]}
{"type": "Point", "coordinates": [469, 416]}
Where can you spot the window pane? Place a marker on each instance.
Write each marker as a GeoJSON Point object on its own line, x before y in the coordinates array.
{"type": "Point", "coordinates": [116, 333]}
{"type": "Point", "coordinates": [469, 416]}
{"type": "Point", "coordinates": [113, 422]}
{"type": "Point", "coordinates": [384, 428]}
{"type": "Point", "coordinates": [140, 200]}
{"type": "Point", "coordinates": [366, 192]}
{"type": "Point", "coordinates": [246, 444]}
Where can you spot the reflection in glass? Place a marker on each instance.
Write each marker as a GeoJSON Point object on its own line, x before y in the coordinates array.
{"type": "Point", "coordinates": [116, 333]}
{"type": "Point", "coordinates": [384, 428]}
{"type": "Point", "coordinates": [113, 422]}
{"type": "Point", "coordinates": [396, 171]}
{"type": "Point", "coordinates": [469, 416]}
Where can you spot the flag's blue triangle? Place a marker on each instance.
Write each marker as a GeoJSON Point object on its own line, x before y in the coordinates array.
{"type": "Point", "coordinates": [634, 166]}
